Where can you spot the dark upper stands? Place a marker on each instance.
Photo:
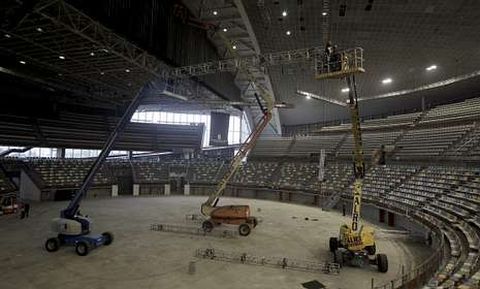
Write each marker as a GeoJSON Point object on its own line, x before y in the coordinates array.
{"type": "Point", "coordinates": [90, 132]}
{"type": "Point", "coordinates": [448, 131]}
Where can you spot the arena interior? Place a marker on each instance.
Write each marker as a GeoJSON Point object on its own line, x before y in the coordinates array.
{"type": "Point", "coordinates": [240, 144]}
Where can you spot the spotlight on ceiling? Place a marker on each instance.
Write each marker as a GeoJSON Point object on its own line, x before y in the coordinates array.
{"type": "Point", "coordinates": [284, 105]}
{"type": "Point", "coordinates": [92, 53]}
{"type": "Point", "coordinates": [127, 70]}
{"type": "Point", "coordinates": [387, 81]}
{"type": "Point", "coordinates": [39, 29]}
{"type": "Point", "coordinates": [215, 12]}
{"type": "Point", "coordinates": [22, 62]}
{"type": "Point", "coordinates": [234, 47]}
{"type": "Point", "coordinates": [102, 73]}
{"type": "Point", "coordinates": [288, 32]}
{"type": "Point", "coordinates": [8, 35]}
{"type": "Point", "coordinates": [346, 89]}
{"type": "Point", "coordinates": [284, 13]}
{"type": "Point", "coordinates": [61, 57]}
{"type": "Point", "coordinates": [324, 13]}
{"type": "Point", "coordinates": [225, 29]}
{"type": "Point", "coordinates": [431, 67]}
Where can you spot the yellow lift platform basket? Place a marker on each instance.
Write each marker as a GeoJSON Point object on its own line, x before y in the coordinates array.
{"type": "Point", "coordinates": [340, 64]}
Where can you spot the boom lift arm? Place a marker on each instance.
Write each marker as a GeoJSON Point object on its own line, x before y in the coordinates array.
{"type": "Point", "coordinates": [242, 152]}
{"type": "Point", "coordinates": [358, 161]}
{"type": "Point", "coordinates": [73, 206]}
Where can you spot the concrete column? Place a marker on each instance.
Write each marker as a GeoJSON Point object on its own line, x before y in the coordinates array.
{"type": "Point", "coordinates": [60, 153]}
{"type": "Point", "coordinates": [186, 190]}
{"type": "Point", "coordinates": [167, 189]}
{"type": "Point", "coordinates": [114, 190]}
{"type": "Point", "coordinates": [27, 189]}
{"type": "Point", "coordinates": [136, 189]}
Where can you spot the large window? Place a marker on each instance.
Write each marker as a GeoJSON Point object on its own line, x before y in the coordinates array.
{"type": "Point", "coordinates": [237, 132]}
{"type": "Point", "coordinates": [82, 153]}
{"type": "Point", "coordinates": [32, 153]}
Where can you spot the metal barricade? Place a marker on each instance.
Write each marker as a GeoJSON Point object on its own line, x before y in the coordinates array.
{"type": "Point", "coordinates": [276, 262]}
{"type": "Point", "coordinates": [194, 230]}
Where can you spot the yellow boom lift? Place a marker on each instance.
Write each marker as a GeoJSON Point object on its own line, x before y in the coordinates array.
{"type": "Point", "coordinates": [355, 245]}
{"type": "Point", "coordinates": [238, 214]}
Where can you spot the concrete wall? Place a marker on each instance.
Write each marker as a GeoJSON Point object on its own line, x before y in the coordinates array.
{"type": "Point", "coordinates": [99, 192]}
{"type": "Point", "coordinates": [371, 214]}
{"type": "Point", "coordinates": [27, 189]}
{"type": "Point", "coordinates": [152, 189]}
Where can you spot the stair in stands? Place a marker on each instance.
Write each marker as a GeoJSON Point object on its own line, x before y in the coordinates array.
{"type": "Point", "coordinates": [339, 144]}
{"type": "Point", "coordinates": [406, 130]}
{"type": "Point", "coordinates": [276, 173]}
{"type": "Point", "coordinates": [463, 141]}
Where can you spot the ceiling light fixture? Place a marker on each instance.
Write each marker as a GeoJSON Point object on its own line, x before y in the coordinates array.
{"type": "Point", "coordinates": [324, 14]}
{"type": "Point", "coordinates": [431, 67]}
{"type": "Point", "coordinates": [39, 29]}
{"type": "Point", "coordinates": [288, 32]}
{"type": "Point", "coordinates": [215, 12]}
{"type": "Point", "coordinates": [387, 81]}
{"type": "Point", "coordinates": [92, 53]}
{"type": "Point", "coordinates": [234, 47]}
{"type": "Point", "coordinates": [284, 13]}
{"type": "Point", "coordinates": [102, 73]}
{"type": "Point", "coordinates": [127, 70]}
{"type": "Point", "coordinates": [225, 29]}
{"type": "Point", "coordinates": [8, 36]}
{"type": "Point", "coordinates": [61, 57]}
{"type": "Point", "coordinates": [309, 95]}
{"type": "Point", "coordinates": [346, 89]}
{"type": "Point", "coordinates": [22, 62]}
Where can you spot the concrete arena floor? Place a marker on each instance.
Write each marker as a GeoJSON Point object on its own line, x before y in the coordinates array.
{"type": "Point", "coordinates": [140, 258]}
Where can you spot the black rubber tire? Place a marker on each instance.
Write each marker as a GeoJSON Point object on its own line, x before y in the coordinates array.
{"type": "Point", "coordinates": [107, 238]}
{"type": "Point", "coordinates": [371, 250]}
{"type": "Point", "coordinates": [333, 244]}
{"type": "Point", "coordinates": [52, 244]}
{"type": "Point", "coordinates": [82, 248]}
{"type": "Point", "coordinates": [207, 226]}
{"type": "Point", "coordinates": [382, 263]}
{"type": "Point", "coordinates": [244, 230]}
{"type": "Point", "coordinates": [338, 257]}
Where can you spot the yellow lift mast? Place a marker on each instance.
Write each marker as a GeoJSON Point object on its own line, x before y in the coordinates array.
{"type": "Point", "coordinates": [355, 244]}
{"type": "Point", "coordinates": [238, 214]}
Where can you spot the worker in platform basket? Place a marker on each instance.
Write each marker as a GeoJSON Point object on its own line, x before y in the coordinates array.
{"type": "Point", "coordinates": [332, 58]}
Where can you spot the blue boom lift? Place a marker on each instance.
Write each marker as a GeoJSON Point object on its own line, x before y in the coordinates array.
{"type": "Point", "coordinates": [72, 228]}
